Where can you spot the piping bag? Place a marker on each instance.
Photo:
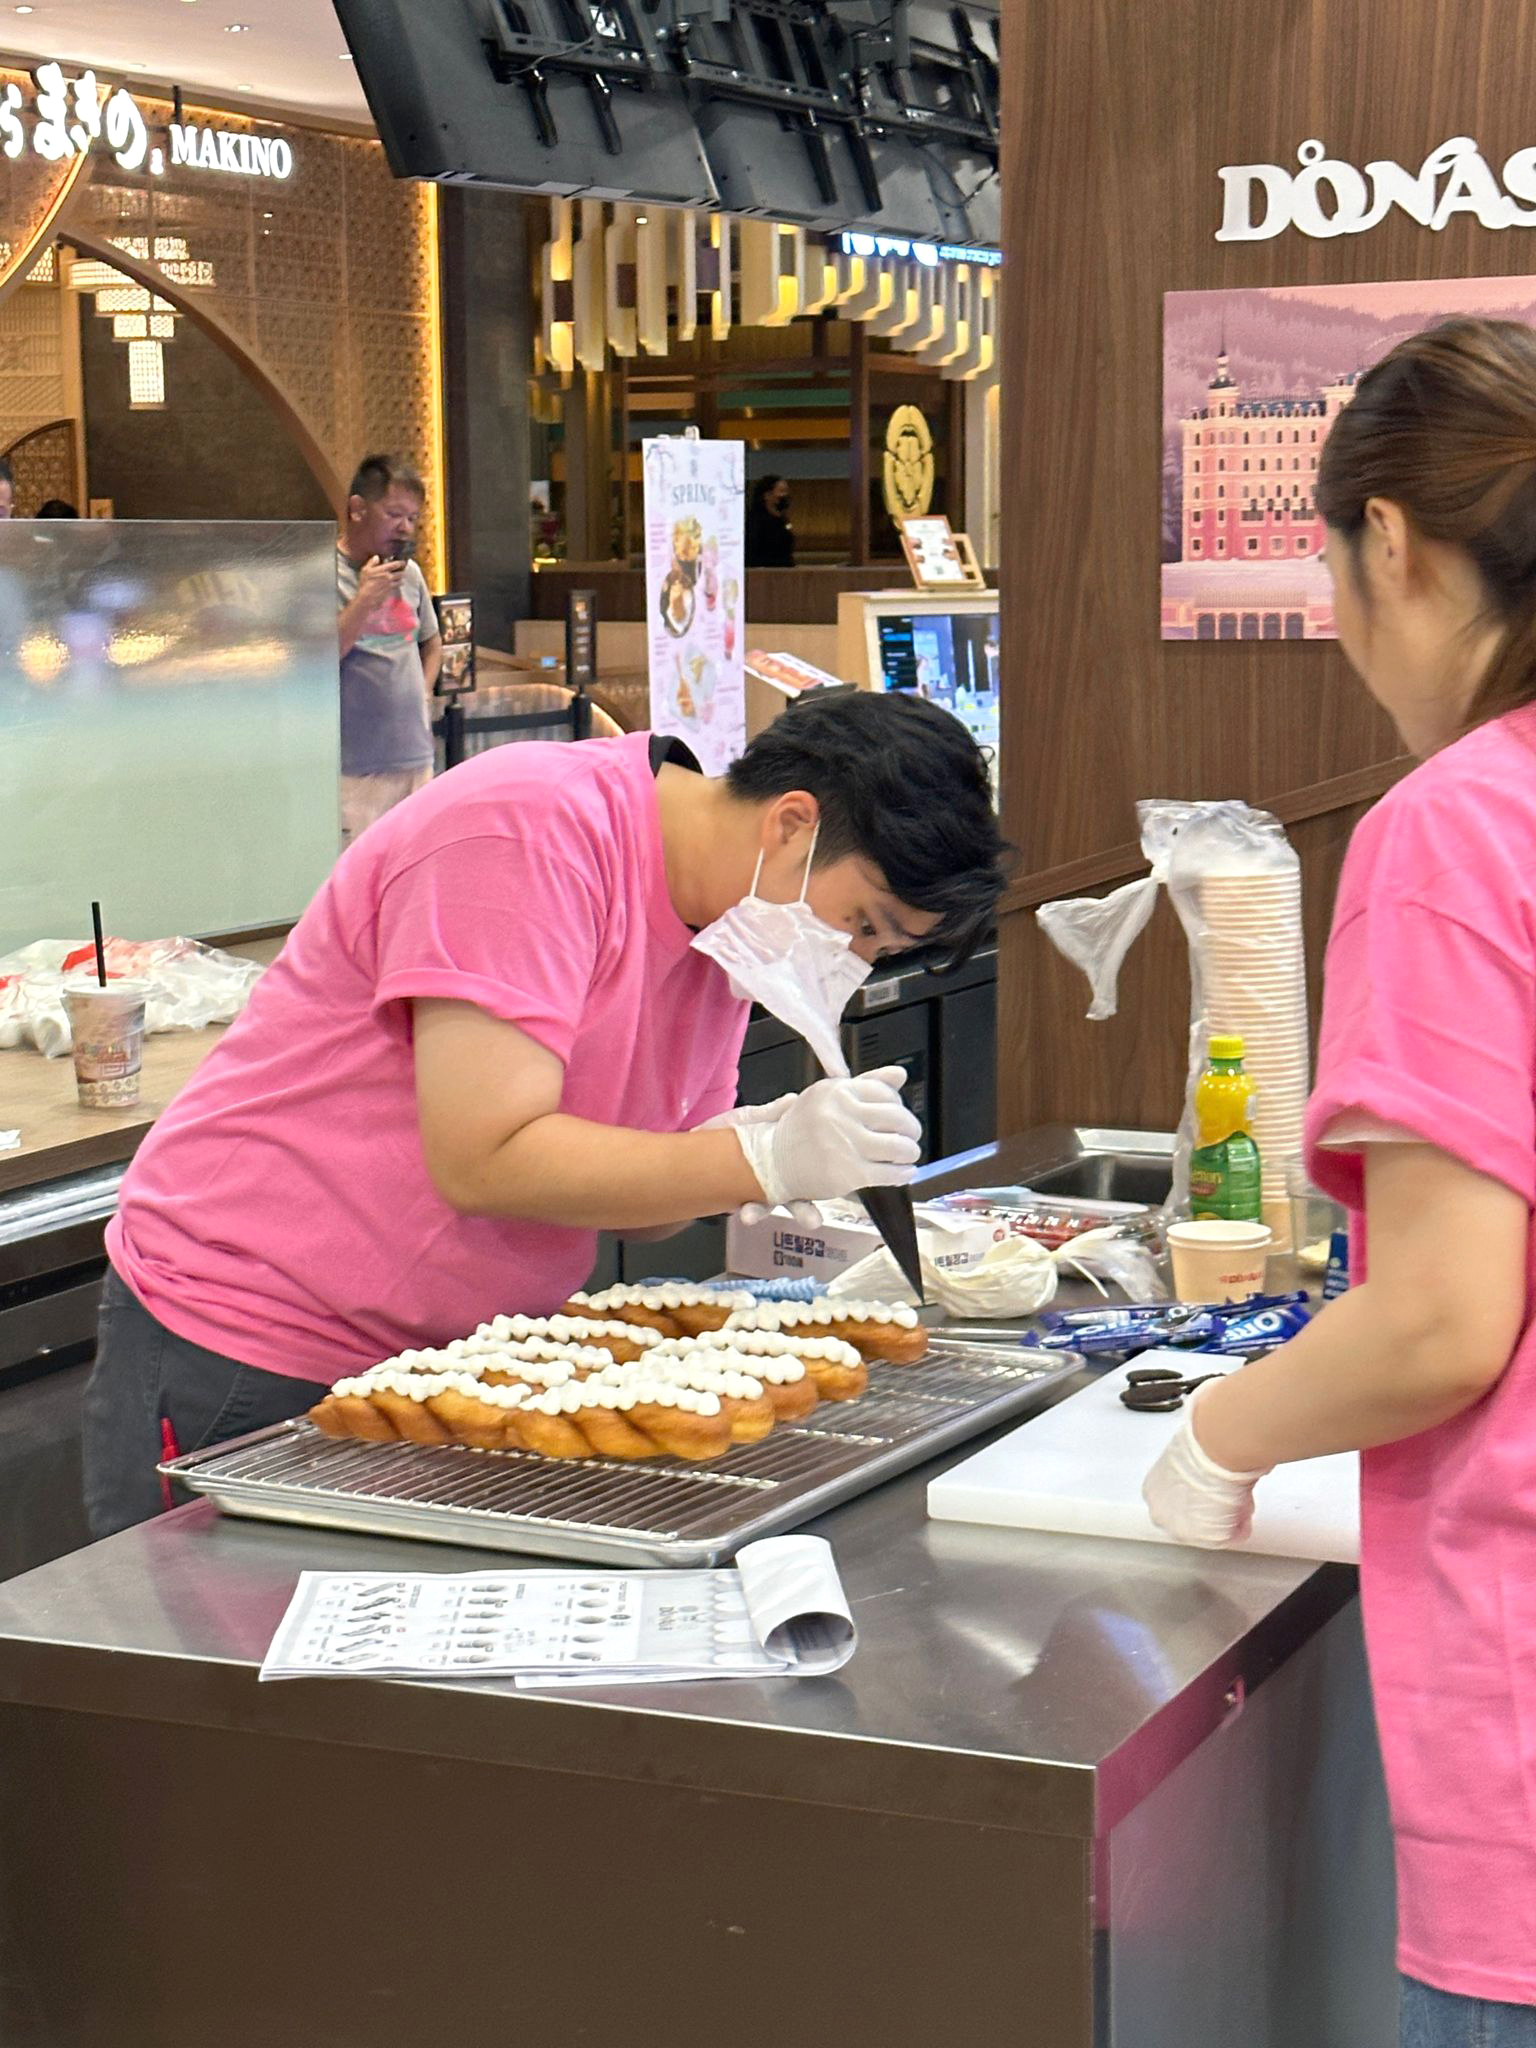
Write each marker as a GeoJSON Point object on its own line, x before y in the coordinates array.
{"type": "Point", "coordinates": [804, 972]}
{"type": "Point", "coordinates": [891, 1212]}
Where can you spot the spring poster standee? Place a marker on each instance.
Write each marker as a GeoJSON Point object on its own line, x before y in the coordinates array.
{"type": "Point", "coordinates": [695, 585]}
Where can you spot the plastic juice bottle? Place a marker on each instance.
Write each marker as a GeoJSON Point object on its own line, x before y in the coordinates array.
{"type": "Point", "coordinates": [1224, 1179]}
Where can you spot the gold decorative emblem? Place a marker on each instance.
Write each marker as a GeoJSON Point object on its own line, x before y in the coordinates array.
{"type": "Point", "coordinates": [908, 464]}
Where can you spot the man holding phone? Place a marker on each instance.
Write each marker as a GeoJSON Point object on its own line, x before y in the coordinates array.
{"type": "Point", "coordinates": [390, 645]}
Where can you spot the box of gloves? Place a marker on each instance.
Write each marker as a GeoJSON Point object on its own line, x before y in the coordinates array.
{"type": "Point", "coordinates": [778, 1246]}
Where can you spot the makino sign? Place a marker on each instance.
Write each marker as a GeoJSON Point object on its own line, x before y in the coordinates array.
{"type": "Point", "coordinates": [69, 116]}
{"type": "Point", "coordinates": [1328, 196]}
{"type": "Point", "coordinates": [215, 149]}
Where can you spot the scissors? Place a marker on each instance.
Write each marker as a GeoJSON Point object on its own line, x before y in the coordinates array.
{"type": "Point", "coordinates": [1159, 1389]}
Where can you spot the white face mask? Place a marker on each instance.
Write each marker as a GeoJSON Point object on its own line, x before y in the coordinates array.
{"type": "Point", "coordinates": [800, 968]}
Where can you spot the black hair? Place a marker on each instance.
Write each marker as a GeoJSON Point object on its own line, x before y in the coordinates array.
{"type": "Point", "coordinates": [57, 508]}
{"type": "Point", "coordinates": [378, 474]}
{"type": "Point", "coordinates": [7, 474]}
{"type": "Point", "coordinates": [901, 784]}
{"type": "Point", "coordinates": [762, 488]}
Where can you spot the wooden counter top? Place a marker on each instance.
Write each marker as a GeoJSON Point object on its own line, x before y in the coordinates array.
{"type": "Point", "coordinates": [38, 1097]}
{"type": "Point", "coordinates": [57, 1136]}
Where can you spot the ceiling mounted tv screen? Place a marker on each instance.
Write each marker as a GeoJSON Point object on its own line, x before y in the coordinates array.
{"type": "Point", "coordinates": [879, 114]}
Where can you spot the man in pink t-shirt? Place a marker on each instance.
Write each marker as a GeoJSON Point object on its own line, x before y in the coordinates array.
{"type": "Point", "coordinates": [490, 1036]}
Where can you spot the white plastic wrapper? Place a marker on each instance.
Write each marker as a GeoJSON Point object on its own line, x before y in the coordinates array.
{"type": "Point", "coordinates": [1017, 1277]}
{"type": "Point", "coordinates": [190, 985]}
{"type": "Point", "coordinates": [1096, 932]}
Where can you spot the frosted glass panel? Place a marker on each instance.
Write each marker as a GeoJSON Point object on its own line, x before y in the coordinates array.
{"type": "Point", "coordinates": [168, 724]}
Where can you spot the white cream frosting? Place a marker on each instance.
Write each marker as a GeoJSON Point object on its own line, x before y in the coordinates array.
{"type": "Point", "coordinates": [538, 1372]}
{"type": "Point", "coordinates": [660, 1299]}
{"type": "Point", "coordinates": [798, 1315]}
{"type": "Point", "coordinates": [761, 1346]}
{"type": "Point", "coordinates": [504, 1330]}
{"type": "Point", "coordinates": [421, 1386]}
{"type": "Point", "coordinates": [715, 1349]}
{"type": "Point", "coordinates": [514, 1396]}
{"type": "Point", "coordinates": [621, 1395]}
{"type": "Point", "coordinates": [717, 1374]}
{"type": "Point", "coordinates": [542, 1351]}
{"type": "Point", "coordinates": [693, 1384]}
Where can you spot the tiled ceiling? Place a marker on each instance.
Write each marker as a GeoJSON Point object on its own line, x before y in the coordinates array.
{"type": "Point", "coordinates": [290, 53]}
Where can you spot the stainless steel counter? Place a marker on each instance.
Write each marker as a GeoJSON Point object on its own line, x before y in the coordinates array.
{"type": "Point", "coordinates": [1024, 1680]}
{"type": "Point", "coordinates": [1040, 1742]}
{"type": "Point", "coordinates": [1068, 1794]}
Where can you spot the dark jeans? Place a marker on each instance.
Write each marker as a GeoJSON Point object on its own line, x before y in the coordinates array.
{"type": "Point", "coordinates": [144, 1378]}
{"type": "Point", "coordinates": [1439, 2019]}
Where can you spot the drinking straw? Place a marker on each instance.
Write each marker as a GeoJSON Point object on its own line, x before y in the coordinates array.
{"type": "Point", "coordinates": [101, 957]}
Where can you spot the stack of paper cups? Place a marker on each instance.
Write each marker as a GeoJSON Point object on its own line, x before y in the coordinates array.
{"type": "Point", "coordinates": [1253, 979]}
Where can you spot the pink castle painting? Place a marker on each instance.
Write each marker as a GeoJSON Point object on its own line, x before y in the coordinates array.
{"type": "Point", "coordinates": [1252, 382]}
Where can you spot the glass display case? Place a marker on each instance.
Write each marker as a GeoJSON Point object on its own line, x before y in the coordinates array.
{"type": "Point", "coordinates": [169, 724]}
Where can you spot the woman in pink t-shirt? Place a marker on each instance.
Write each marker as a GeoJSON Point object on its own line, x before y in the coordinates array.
{"type": "Point", "coordinates": [1423, 1123]}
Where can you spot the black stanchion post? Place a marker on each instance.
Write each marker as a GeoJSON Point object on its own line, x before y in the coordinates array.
{"type": "Point", "coordinates": [453, 733]}
{"type": "Point", "coordinates": [581, 658]}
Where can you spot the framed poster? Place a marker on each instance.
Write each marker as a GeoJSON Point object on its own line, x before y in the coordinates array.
{"type": "Point", "coordinates": [695, 517]}
{"type": "Point", "coordinates": [1253, 381]}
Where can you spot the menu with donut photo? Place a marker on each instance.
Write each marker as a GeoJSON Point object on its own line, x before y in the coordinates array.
{"type": "Point", "coordinates": [695, 495]}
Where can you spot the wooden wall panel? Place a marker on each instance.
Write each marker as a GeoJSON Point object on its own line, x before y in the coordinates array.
{"type": "Point", "coordinates": [1117, 117]}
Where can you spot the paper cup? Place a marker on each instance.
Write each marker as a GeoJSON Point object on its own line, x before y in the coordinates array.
{"type": "Point", "coordinates": [107, 1026]}
{"type": "Point", "coordinates": [1215, 1261]}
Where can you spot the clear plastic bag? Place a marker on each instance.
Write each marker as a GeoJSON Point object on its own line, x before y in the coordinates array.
{"type": "Point", "coordinates": [1018, 1276]}
{"type": "Point", "coordinates": [190, 985]}
{"type": "Point", "coordinates": [1235, 882]}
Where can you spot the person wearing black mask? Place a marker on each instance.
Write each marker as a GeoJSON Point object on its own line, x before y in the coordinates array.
{"type": "Point", "coordinates": [770, 541]}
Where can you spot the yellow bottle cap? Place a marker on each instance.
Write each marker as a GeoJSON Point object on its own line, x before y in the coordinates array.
{"type": "Point", "coordinates": [1226, 1048]}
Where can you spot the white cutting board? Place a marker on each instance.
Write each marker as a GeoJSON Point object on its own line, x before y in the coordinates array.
{"type": "Point", "coordinates": [1077, 1470]}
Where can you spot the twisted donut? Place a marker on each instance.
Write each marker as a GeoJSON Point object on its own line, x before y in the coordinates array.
{"type": "Point", "coordinates": [628, 1418]}
{"type": "Point", "coordinates": [881, 1332]}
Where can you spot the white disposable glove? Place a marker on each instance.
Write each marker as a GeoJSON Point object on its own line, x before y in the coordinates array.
{"type": "Point", "coordinates": [835, 1138]}
{"type": "Point", "coordinates": [1192, 1498]}
{"type": "Point", "coordinates": [805, 1214]}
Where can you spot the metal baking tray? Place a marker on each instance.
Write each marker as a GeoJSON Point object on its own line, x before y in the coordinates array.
{"type": "Point", "coordinates": [606, 1512]}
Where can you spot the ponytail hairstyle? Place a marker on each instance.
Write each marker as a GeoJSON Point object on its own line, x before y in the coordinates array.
{"type": "Point", "coordinates": [1445, 428]}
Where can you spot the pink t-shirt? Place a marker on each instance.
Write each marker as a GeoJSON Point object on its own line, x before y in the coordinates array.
{"type": "Point", "coordinates": [1429, 1023]}
{"type": "Point", "coordinates": [280, 1212]}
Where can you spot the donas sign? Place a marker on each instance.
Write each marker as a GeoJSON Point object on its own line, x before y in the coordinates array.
{"type": "Point", "coordinates": [1328, 196]}
{"type": "Point", "coordinates": [69, 116]}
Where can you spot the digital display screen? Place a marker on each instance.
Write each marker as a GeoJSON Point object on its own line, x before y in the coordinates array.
{"type": "Point", "coordinates": [951, 658]}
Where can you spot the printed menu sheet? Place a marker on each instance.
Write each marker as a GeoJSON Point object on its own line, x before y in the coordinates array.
{"type": "Point", "coordinates": [781, 1612]}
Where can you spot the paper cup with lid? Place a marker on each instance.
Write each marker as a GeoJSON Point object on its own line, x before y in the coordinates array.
{"type": "Point", "coordinates": [1218, 1261]}
{"type": "Point", "coordinates": [107, 1029]}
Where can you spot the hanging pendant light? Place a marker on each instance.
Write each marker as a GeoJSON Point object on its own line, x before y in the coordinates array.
{"type": "Point", "coordinates": [146, 376]}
